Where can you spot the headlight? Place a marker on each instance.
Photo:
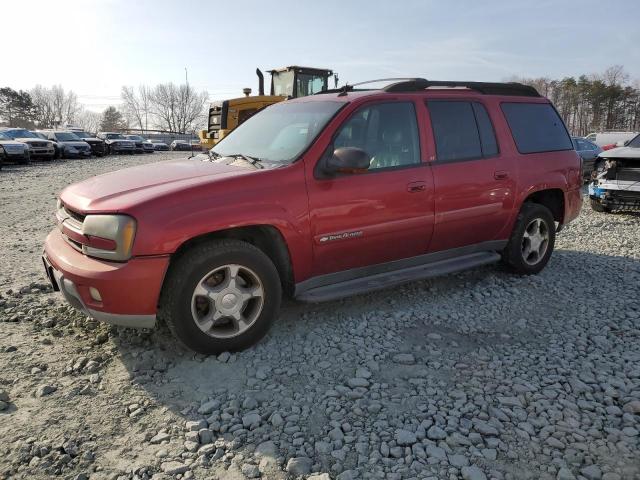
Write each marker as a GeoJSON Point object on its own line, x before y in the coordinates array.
{"type": "Point", "coordinates": [109, 236]}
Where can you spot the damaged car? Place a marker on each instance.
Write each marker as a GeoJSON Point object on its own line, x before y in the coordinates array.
{"type": "Point", "coordinates": [615, 183]}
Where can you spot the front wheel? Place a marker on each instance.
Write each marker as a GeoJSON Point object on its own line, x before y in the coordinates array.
{"type": "Point", "coordinates": [532, 240]}
{"type": "Point", "coordinates": [220, 296]}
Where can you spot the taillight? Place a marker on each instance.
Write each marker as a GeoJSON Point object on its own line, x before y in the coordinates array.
{"type": "Point", "coordinates": [609, 146]}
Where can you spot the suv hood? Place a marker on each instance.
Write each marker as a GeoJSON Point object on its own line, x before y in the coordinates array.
{"type": "Point", "coordinates": [621, 152]}
{"type": "Point", "coordinates": [31, 140]}
{"type": "Point", "coordinates": [9, 143]}
{"type": "Point", "coordinates": [73, 143]}
{"type": "Point", "coordinates": [93, 139]}
{"type": "Point", "coordinates": [125, 188]}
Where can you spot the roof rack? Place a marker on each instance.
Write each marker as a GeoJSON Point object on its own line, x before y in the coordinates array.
{"type": "Point", "coordinates": [486, 88]}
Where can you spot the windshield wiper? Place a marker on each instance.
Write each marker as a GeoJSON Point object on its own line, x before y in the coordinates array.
{"type": "Point", "coordinates": [256, 162]}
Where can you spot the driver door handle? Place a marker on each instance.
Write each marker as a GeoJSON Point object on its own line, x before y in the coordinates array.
{"type": "Point", "coordinates": [416, 187]}
{"type": "Point", "coordinates": [500, 174]}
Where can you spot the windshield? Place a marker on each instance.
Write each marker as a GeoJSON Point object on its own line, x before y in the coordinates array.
{"type": "Point", "coordinates": [282, 83]}
{"type": "Point", "coordinates": [279, 133]}
{"type": "Point", "coordinates": [4, 137]}
{"type": "Point", "coordinates": [635, 142]}
{"type": "Point", "coordinates": [20, 133]}
{"type": "Point", "coordinates": [83, 134]}
{"type": "Point", "coordinates": [308, 84]}
{"type": "Point", "coordinates": [115, 135]}
{"type": "Point", "coordinates": [67, 137]}
{"type": "Point", "coordinates": [137, 138]}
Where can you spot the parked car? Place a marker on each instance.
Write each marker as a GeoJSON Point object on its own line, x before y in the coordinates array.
{"type": "Point", "coordinates": [180, 145]}
{"type": "Point", "coordinates": [98, 146]}
{"type": "Point", "coordinates": [609, 140]}
{"type": "Point", "coordinates": [196, 145]}
{"type": "Point", "coordinates": [117, 143]}
{"type": "Point", "coordinates": [142, 145]}
{"type": "Point", "coordinates": [38, 147]}
{"type": "Point", "coordinates": [320, 198]}
{"type": "Point", "coordinates": [588, 151]}
{"type": "Point", "coordinates": [616, 182]}
{"type": "Point", "coordinates": [12, 151]}
{"type": "Point", "coordinates": [159, 145]}
{"type": "Point", "coordinates": [67, 144]}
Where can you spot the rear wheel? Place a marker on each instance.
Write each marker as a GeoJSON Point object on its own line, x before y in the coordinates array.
{"type": "Point", "coordinates": [532, 240]}
{"type": "Point", "coordinates": [220, 296]}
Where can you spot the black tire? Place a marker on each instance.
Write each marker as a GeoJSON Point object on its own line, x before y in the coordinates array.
{"type": "Point", "coordinates": [186, 272]}
{"type": "Point", "coordinates": [513, 254]}
{"type": "Point", "coordinates": [598, 207]}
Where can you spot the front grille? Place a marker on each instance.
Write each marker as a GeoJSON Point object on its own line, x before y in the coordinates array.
{"type": "Point", "coordinates": [38, 144]}
{"type": "Point", "coordinates": [78, 217]}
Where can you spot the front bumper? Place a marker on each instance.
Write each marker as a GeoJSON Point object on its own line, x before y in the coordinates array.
{"type": "Point", "coordinates": [129, 291]}
{"type": "Point", "coordinates": [42, 152]}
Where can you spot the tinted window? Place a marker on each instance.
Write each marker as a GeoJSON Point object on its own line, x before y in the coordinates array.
{"type": "Point", "coordinates": [455, 130]}
{"type": "Point", "coordinates": [485, 128]}
{"type": "Point", "coordinates": [388, 132]}
{"type": "Point", "coordinates": [536, 127]}
{"type": "Point", "coordinates": [635, 143]}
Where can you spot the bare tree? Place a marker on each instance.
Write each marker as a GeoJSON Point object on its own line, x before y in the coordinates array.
{"type": "Point", "coordinates": [137, 105]}
{"type": "Point", "coordinates": [177, 108]}
{"type": "Point", "coordinates": [54, 106]}
{"type": "Point", "coordinates": [89, 121]}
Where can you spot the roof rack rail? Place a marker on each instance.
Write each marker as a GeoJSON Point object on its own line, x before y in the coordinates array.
{"type": "Point", "coordinates": [486, 88]}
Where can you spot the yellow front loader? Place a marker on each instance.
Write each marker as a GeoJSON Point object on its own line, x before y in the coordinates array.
{"type": "Point", "coordinates": [287, 82]}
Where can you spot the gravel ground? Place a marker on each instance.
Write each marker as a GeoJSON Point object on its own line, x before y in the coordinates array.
{"type": "Point", "coordinates": [472, 376]}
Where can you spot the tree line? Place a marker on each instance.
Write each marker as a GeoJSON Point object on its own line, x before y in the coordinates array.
{"type": "Point", "coordinates": [588, 103]}
{"type": "Point", "coordinates": [169, 107]}
{"type": "Point", "coordinates": [593, 103]}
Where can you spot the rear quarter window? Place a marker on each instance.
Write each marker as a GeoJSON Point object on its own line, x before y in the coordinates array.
{"type": "Point", "coordinates": [536, 127]}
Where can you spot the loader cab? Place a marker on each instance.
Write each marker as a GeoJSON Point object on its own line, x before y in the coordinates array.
{"type": "Point", "coordinates": [293, 82]}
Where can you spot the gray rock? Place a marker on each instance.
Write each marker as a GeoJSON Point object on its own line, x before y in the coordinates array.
{"type": "Point", "coordinates": [458, 461]}
{"type": "Point", "coordinates": [266, 449]}
{"type": "Point", "coordinates": [250, 471]}
{"type": "Point", "coordinates": [250, 420]}
{"type": "Point", "coordinates": [436, 452]}
{"type": "Point", "coordinates": [173, 468]}
{"type": "Point", "coordinates": [4, 396]}
{"type": "Point", "coordinates": [224, 357]}
{"type": "Point", "coordinates": [473, 473]}
{"type": "Point", "coordinates": [592, 472]}
{"type": "Point", "coordinates": [161, 436]}
{"type": "Point", "coordinates": [358, 382]}
{"type": "Point", "coordinates": [565, 474]}
{"type": "Point", "coordinates": [194, 426]}
{"type": "Point", "coordinates": [299, 465]}
{"type": "Point", "coordinates": [347, 475]}
{"type": "Point", "coordinates": [405, 437]}
{"type": "Point", "coordinates": [436, 433]}
{"type": "Point", "coordinates": [205, 436]}
{"type": "Point", "coordinates": [632, 407]}
{"type": "Point", "coordinates": [319, 476]}
{"type": "Point", "coordinates": [404, 358]}
{"type": "Point", "coordinates": [208, 407]}
{"type": "Point", "coordinates": [44, 390]}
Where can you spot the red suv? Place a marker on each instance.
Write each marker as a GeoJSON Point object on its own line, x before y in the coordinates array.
{"type": "Point", "coordinates": [319, 198]}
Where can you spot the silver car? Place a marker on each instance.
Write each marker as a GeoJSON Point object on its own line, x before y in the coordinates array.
{"type": "Point", "coordinates": [12, 151]}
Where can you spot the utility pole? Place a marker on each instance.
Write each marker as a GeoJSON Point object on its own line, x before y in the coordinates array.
{"type": "Point", "coordinates": [186, 77]}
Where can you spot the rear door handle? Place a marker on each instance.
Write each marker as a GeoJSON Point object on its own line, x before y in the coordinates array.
{"type": "Point", "coordinates": [415, 187]}
{"type": "Point", "coordinates": [500, 174]}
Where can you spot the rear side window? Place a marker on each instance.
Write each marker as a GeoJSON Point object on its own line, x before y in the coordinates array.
{"type": "Point", "coordinates": [536, 127]}
{"type": "Point", "coordinates": [462, 130]}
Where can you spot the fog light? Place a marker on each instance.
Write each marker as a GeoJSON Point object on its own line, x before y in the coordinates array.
{"type": "Point", "coordinates": [95, 294]}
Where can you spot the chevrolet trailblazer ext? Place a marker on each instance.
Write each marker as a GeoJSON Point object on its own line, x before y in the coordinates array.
{"type": "Point", "coordinates": [319, 198]}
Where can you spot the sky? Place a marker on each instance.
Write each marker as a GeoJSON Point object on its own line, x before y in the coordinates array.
{"type": "Point", "coordinates": [94, 47]}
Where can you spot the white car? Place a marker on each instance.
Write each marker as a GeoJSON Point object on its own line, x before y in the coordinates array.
{"type": "Point", "coordinates": [610, 139]}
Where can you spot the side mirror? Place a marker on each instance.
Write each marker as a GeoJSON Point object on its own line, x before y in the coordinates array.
{"type": "Point", "coordinates": [347, 160]}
